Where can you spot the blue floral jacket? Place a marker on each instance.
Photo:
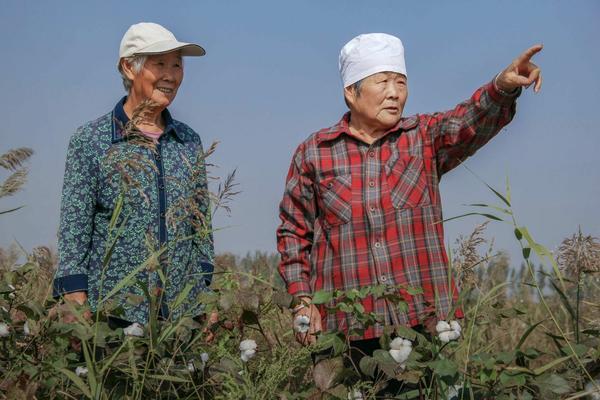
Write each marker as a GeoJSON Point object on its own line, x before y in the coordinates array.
{"type": "Point", "coordinates": [164, 204]}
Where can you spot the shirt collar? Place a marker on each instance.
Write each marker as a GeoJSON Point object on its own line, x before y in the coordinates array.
{"type": "Point", "coordinates": [342, 127]}
{"type": "Point", "coordinates": [120, 119]}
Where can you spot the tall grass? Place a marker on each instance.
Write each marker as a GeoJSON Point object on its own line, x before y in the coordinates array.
{"type": "Point", "coordinates": [530, 330]}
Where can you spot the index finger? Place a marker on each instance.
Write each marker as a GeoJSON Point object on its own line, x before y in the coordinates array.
{"type": "Point", "coordinates": [530, 52]}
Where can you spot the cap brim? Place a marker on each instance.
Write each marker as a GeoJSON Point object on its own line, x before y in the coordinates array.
{"type": "Point", "coordinates": [187, 49]}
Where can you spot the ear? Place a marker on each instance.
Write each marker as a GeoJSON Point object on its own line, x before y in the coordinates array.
{"type": "Point", "coordinates": [350, 95]}
{"type": "Point", "coordinates": [127, 70]}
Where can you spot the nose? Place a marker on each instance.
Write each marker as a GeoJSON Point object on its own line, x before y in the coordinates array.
{"type": "Point", "coordinates": [392, 91]}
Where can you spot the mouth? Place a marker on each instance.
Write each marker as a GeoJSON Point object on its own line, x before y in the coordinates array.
{"type": "Point", "coordinates": [166, 90]}
{"type": "Point", "coordinates": [392, 110]}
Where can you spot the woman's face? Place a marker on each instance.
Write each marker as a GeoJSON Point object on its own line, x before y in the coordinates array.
{"type": "Point", "coordinates": [159, 78]}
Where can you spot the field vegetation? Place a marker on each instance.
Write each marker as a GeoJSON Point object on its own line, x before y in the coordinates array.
{"type": "Point", "coordinates": [531, 328]}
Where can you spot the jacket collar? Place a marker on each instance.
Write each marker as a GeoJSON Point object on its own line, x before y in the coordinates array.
{"type": "Point", "coordinates": [342, 127]}
{"type": "Point", "coordinates": [120, 119]}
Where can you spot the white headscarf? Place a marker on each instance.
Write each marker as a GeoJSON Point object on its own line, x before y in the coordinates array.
{"type": "Point", "coordinates": [368, 54]}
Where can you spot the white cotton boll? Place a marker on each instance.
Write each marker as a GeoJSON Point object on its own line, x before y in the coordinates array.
{"type": "Point", "coordinates": [81, 371]}
{"type": "Point", "coordinates": [355, 395]}
{"type": "Point", "coordinates": [442, 326]}
{"type": "Point", "coordinates": [11, 295]}
{"type": "Point", "coordinates": [190, 366]}
{"type": "Point", "coordinates": [301, 324]}
{"type": "Point", "coordinates": [455, 326]}
{"type": "Point", "coordinates": [407, 343]}
{"type": "Point", "coordinates": [246, 355]}
{"type": "Point", "coordinates": [26, 330]}
{"type": "Point", "coordinates": [401, 355]}
{"type": "Point", "coordinates": [445, 336]}
{"type": "Point", "coordinates": [11, 287]}
{"type": "Point", "coordinates": [247, 349]}
{"type": "Point", "coordinates": [248, 344]}
{"type": "Point", "coordinates": [454, 335]}
{"type": "Point", "coordinates": [397, 343]}
{"type": "Point", "coordinates": [4, 329]}
{"type": "Point", "coordinates": [204, 357]}
{"type": "Point", "coordinates": [134, 329]}
{"type": "Point", "coordinates": [595, 393]}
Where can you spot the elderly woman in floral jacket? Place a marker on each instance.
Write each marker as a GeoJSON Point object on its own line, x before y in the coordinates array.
{"type": "Point", "coordinates": [135, 206]}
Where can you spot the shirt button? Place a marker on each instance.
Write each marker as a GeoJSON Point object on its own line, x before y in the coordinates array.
{"type": "Point", "coordinates": [158, 157]}
{"type": "Point", "coordinates": [383, 278]}
{"type": "Point", "coordinates": [372, 208]}
{"type": "Point", "coordinates": [377, 244]}
{"type": "Point", "coordinates": [162, 215]}
{"type": "Point", "coordinates": [371, 183]}
{"type": "Point", "coordinates": [371, 154]}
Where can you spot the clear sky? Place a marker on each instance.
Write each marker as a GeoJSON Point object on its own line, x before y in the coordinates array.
{"type": "Point", "coordinates": [270, 78]}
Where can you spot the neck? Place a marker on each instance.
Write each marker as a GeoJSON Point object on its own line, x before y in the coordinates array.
{"type": "Point", "coordinates": [365, 131]}
{"type": "Point", "coordinates": [149, 120]}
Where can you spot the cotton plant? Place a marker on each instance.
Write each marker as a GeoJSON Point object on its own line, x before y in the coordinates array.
{"type": "Point", "coordinates": [4, 330]}
{"type": "Point", "coordinates": [301, 324]}
{"type": "Point", "coordinates": [247, 349]}
{"type": "Point", "coordinates": [448, 332]}
{"type": "Point", "coordinates": [592, 389]}
{"type": "Point", "coordinates": [134, 329]}
{"type": "Point", "coordinates": [355, 394]}
{"type": "Point", "coordinates": [400, 350]}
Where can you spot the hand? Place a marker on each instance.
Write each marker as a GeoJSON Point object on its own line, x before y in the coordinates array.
{"type": "Point", "coordinates": [313, 314]}
{"type": "Point", "coordinates": [66, 313]}
{"type": "Point", "coordinates": [521, 72]}
{"type": "Point", "coordinates": [213, 319]}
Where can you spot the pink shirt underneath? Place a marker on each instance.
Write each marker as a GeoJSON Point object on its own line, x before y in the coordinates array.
{"type": "Point", "coordinates": [152, 135]}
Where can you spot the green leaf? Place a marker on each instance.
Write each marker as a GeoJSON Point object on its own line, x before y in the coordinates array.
{"type": "Point", "coordinates": [483, 205]}
{"type": "Point", "coordinates": [564, 300]}
{"type": "Point", "coordinates": [169, 378]}
{"type": "Point", "coordinates": [526, 252]}
{"type": "Point", "coordinates": [489, 216]}
{"type": "Point", "coordinates": [554, 383]}
{"type": "Point", "coordinates": [518, 234]}
{"type": "Point", "coordinates": [183, 295]}
{"type": "Point", "coordinates": [368, 365]}
{"type": "Point", "coordinates": [406, 332]}
{"type": "Point", "coordinates": [551, 364]}
{"type": "Point", "coordinates": [322, 297]}
{"type": "Point", "coordinates": [543, 253]}
{"type": "Point", "coordinates": [526, 334]}
{"type": "Point", "coordinates": [508, 379]}
{"type": "Point", "coordinates": [77, 381]}
{"type": "Point", "coordinates": [444, 367]}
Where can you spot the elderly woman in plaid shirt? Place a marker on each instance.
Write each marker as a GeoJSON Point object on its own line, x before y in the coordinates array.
{"type": "Point", "coordinates": [362, 205]}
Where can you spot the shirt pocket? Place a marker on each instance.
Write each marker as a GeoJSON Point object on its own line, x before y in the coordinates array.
{"type": "Point", "coordinates": [407, 182]}
{"type": "Point", "coordinates": [335, 195]}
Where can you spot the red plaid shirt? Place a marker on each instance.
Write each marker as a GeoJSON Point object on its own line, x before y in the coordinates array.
{"type": "Point", "coordinates": [356, 215]}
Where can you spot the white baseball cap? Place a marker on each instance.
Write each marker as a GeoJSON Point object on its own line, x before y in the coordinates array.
{"type": "Point", "coordinates": [149, 38]}
{"type": "Point", "coordinates": [370, 53]}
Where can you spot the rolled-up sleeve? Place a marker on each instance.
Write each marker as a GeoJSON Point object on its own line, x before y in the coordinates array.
{"type": "Point", "coordinates": [76, 216]}
{"type": "Point", "coordinates": [460, 132]}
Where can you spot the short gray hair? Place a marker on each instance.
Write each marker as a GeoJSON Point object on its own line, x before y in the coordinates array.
{"type": "Point", "coordinates": [356, 86]}
{"type": "Point", "coordinates": [137, 63]}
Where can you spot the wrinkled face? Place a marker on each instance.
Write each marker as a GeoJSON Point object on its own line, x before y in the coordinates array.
{"type": "Point", "coordinates": [159, 78]}
{"type": "Point", "coordinates": [380, 101]}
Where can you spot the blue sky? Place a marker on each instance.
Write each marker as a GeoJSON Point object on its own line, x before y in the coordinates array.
{"type": "Point", "coordinates": [270, 78]}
